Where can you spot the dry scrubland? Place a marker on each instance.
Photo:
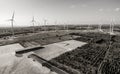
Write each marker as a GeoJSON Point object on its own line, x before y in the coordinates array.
{"type": "Point", "coordinates": [40, 38]}
{"type": "Point", "coordinates": [96, 57]}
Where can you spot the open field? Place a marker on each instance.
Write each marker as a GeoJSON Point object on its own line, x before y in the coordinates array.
{"type": "Point", "coordinates": [40, 38]}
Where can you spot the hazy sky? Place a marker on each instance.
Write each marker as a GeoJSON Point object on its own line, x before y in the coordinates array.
{"type": "Point", "coordinates": [62, 11]}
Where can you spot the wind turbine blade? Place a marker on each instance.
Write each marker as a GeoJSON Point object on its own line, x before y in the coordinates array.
{"type": "Point", "coordinates": [9, 20]}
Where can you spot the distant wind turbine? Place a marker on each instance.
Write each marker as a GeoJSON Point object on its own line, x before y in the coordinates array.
{"type": "Point", "coordinates": [99, 27]}
{"type": "Point", "coordinates": [45, 23]}
{"type": "Point", "coordinates": [66, 27]}
{"type": "Point", "coordinates": [112, 28]}
{"type": "Point", "coordinates": [33, 24]}
{"type": "Point", "coordinates": [88, 27]}
{"type": "Point", "coordinates": [55, 25]}
{"type": "Point", "coordinates": [12, 24]}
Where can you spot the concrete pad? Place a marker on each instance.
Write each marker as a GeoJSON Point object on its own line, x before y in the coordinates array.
{"type": "Point", "coordinates": [53, 50]}
{"type": "Point", "coordinates": [7, 53]}
{"type": "Point", "coordinates": [10, 48]}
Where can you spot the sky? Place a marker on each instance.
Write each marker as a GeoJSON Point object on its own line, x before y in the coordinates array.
{"type": "Point", "coordinates": [59, 11]}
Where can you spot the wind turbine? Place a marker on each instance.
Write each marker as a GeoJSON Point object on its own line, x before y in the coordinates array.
{"type": "Point", "coordinates": [112, 28]}
{"type": "Point", "coordinates": [55, 25]}
{"type": "Point", "coordinates": [33, 24]}
{"type": "Point", "coordinates": [99, 27]}
{"type": "Point", "coordinates": [67, 27]}
{"type": "Point", "coordinates": [64, 26]}
{"type": "Point", "coordinates": [88, 27]}
{"type": "Point", "coordinates": [45, 23]}
{"type": "Point", "coordinates": [39, 24]}
{"type": "Point", "coordinates": [12, 24]}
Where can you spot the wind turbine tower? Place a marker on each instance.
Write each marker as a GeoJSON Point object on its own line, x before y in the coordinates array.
{"type": "Point", "coordinates": [33, 24]}
{"type": "Point", "coordinates": [112, 28]}
{"type": "Point", "coordinates": [88, 27]}
{"type": "Point", "coordinates": [55, 26]}
{"type": "Point", "coordinates": [45, 23]}
{"type": "Point", "coordinates": [12, 24]}
{"type": "Point", "coordinates": [67, 27]}
{"type": "Point", "coordinates": [64, 26]}
{"type": "Point", "coordinates": [99, 27]}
